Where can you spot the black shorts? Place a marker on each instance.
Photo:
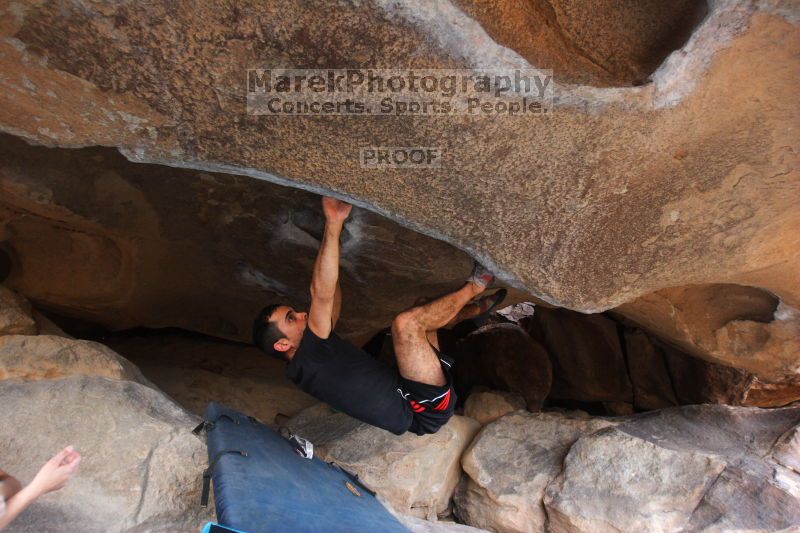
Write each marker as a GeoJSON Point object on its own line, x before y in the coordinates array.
{"type": "Point", "coordinates": [432, 406]}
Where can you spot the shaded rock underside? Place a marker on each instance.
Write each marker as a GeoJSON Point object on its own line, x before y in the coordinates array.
{"type": "Point", "coordinates": [625, 195]}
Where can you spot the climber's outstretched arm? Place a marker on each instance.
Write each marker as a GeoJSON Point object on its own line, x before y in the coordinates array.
{"type": "Point", "coordinates": [337, 305]}
{"type": "Point", "coordinates": [325, 292]}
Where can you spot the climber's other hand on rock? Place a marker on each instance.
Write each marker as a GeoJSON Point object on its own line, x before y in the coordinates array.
{"type": "Point", "coordinates": [335, 210]}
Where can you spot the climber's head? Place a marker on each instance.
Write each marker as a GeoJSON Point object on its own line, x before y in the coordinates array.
{"type": "Point", "coordinates": [278, 329]}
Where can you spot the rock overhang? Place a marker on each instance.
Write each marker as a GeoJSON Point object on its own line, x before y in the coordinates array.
{"type": "Point", "coordinates": [621, 192]}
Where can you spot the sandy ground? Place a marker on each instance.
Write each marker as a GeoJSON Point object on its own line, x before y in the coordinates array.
{"type": "Point", "coordinates": [195, 370]}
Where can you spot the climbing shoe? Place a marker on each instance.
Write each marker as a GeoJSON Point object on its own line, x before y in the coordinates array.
{"type": "Point", "coordinates": [487, 304]}
{"type": "Point", "coordinates": [480, 275]}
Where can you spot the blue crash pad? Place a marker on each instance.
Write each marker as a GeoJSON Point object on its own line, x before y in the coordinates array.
{"type": "Point", "coordinates": [271, 488]}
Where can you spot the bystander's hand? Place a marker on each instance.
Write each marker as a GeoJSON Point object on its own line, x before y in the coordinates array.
{"type": "Point", "coordinates": [52, 476]}
{"type": "Point", "coordinates": [57, 471]}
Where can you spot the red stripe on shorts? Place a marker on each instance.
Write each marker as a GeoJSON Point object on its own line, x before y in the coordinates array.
{"type": "Point", "coordinates": [441, 406]}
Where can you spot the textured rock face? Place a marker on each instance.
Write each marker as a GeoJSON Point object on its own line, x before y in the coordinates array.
{"type": "Point", "coordinates": [614, 482]}
{"type": "Point", "coordinates": [698, 468]}
{"type": "Point", "coordinates": [416, 475]}
{"type": "Point", "coordinates": [672, 201]}
{"type": "Point", "coordinates": [690, 179]}
{"type": "Point", "coordinates": [510, 464]}
{"type": "Point", "coordinates": [141, 467]}
{"type": "Point", "coordinates": [621, 192]}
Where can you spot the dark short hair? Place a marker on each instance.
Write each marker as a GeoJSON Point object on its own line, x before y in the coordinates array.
{"type": "Point", "coordinates": [266, 332]}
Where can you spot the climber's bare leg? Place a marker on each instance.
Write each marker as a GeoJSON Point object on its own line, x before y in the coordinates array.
{"type": "Point", "coordinates": [471, 310]}
{"type": "Point", "coordinates": [412, 331]}
{"type": "Point", "coordinates": [433, 336]}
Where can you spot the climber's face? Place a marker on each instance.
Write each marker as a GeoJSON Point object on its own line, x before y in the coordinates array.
{"type": "Point", "coordinates": [292, 324]}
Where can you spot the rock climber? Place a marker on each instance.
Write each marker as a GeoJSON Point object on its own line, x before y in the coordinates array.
{"type": "Point", "coordinates": [418, 395]}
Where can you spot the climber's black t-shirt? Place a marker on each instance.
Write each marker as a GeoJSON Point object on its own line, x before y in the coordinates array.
{"type": "Point", "coordinates": [348, 379]}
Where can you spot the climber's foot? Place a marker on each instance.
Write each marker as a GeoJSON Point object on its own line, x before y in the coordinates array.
{"type": "Point", "coordinates": [487, 304]}
{"type": "Point", "coordinates": [480, 276]}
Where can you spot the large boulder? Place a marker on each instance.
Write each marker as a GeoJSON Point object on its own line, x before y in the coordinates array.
{"type": "Point", "coordinates": [415, 474]}
{"type": "Point", "coordinates": [141, 467]}
{"type": "Point", "coordinates": [511, 462]}
{"type": "Point", "coordinates": [51, 357]}
{"type": "Point", "coordinates": [618, 183]}
{"type": "Point", "coordinates": [615, 482]}
{"type": "Point", "coordinates": [588, 360]}
{"type": "Point", "coordinates": [694, 468]}
{"type": "Point", "coordinates": [15, 314]}
{"type": "Point", "coordinates": [503, 357]}
{"type": "Point", "coordinates": [600, 43]}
